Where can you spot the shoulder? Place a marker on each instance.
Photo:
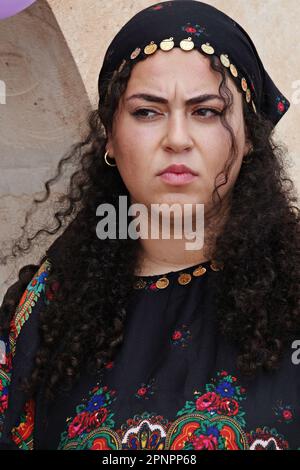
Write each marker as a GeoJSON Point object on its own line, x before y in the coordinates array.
{"type": "Point", "coordinates": [34, 292]}
{"type": "Point", "coordinates": [25, 316]}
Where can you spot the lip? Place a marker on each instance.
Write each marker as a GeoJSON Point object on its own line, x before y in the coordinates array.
{"type": "Point", "coordinates": [177, 179]}
{"type": "Point", "coordinates": [177, 175]}
{"type": "Point", "coordinates": [178, 169]}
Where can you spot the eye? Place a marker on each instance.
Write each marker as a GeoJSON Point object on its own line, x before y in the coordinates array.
{"type": "Point", "coordinates": [139, 113]}
{"type": "Point", "coordinates": [142, 113]}
{"type": "Point", "coordinates": [211, 110]}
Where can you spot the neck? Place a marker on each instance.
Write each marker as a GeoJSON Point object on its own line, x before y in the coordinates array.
{"type": "Point", "coordinates": [164, 255]}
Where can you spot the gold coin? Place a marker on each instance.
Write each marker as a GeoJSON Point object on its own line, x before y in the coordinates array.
{"type": "Point", "coordinates": [167, 44]}
{"type": "Point", "coordinates": [150, 48]}
{"type": "Point", "coordinates": [224, 60]}
{"type": "Point", "coordinates": [187, 44]}
{"type": "Point", "coordinates": [244, 84]}
{"type": "Point", "coordinates": [135, 53]}
{"type": "Point", "coordinates": [140, 284]}
{"type": "Point", "coordinates": [184, 278]}
{"type": "Point", "coordinates": [233, 70]}
{"type": "Point", "coordinates": [207, 48]}
{"type": "Point", "coordinates": [162, 283]}
{"type": "Point", "coordinates": [214, 266]}
{"type": "Point", "coordinates": [199, 271]}
{"type": "Point", "coordinates": [248, 95]}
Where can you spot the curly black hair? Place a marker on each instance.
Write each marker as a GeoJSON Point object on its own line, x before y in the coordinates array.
{"type": "Point", "coordinates": [257, 295]}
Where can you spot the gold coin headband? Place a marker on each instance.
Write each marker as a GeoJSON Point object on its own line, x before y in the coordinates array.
{"type": "Point", "coordinates": [190, 24]}
{"type": "Point", "coordinates": [187, 44]}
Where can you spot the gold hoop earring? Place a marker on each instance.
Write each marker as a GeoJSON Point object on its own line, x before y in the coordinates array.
{"type": "Point", "coordinates": [106, 161]}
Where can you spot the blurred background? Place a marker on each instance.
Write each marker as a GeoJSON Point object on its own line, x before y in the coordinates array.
{"type": "Point", "coordinates": [50, 57]}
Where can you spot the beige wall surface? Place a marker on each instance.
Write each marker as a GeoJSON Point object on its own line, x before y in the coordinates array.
{"type": "Point", "coordinates": [50, 57]}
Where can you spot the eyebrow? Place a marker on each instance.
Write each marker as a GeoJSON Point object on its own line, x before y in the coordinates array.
{"type": "Point", "coordinates": [158, 99]}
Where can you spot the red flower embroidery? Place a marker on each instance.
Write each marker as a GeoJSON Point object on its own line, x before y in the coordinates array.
{"type": "Point", "coordinates": [3, 403]}
{"type": "Point", "coordinates": [287, 414]}
{"type": "Point", "coordinates": [190, 29]}
{"type": "Point", "coordinates": [24, 430]}
{"type": "Point", "coordinates": [176, 335]}
{"type": "Point", "coordinates": [142, 391]}
{"type": "Point", "coordinates": [79, 424]}
{"type": "Point", "coordinates": [97, 418]}
{"type": "Point", "coordinates": [228, 406]}
{"type": "Point", "coordinates": [209, 401]}
{"type": "Point", "coordinates": [203, 442]}
{"type": "Point", "coordinates": [224, 373]}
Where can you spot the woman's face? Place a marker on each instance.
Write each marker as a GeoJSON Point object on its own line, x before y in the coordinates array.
{"type": "Point", "coordinates": [149, 135]}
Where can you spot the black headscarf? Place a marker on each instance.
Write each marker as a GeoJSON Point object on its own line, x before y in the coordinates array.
{"type": "Point", "coordinates": [208, 28]}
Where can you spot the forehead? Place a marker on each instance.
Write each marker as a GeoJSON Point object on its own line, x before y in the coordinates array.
{"type": "Point", "coordinates": [191, 71]}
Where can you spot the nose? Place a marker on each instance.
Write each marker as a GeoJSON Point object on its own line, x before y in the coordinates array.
{"type": "Point", "coordinates": [177, 135]}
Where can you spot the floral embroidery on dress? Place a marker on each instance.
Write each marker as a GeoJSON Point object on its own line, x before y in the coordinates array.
{"type": "Point", "coordinates": [212, 420]}
{"type": "Point", "coordinates": [181, 336]}
{"type": "Point", "coordinates": [266, 439]}
{"type": "Point", "coordinates": [28, 300]}
{"type": "Point", "coordinates": [284, 413]}
{"type": "Point", "coordinates": [216, 417]}
{"type": "Point", "coordinates": [146, 431]}
{"type": "Point", "coordinates": [90, 416]}
{"type": "Point", "coordinates": [22, 433]}
{"type": "Point", "coordinates": [146, 390]}
{"type": "Point", "coordinates": [32, 293]}
{"type": "Point", "coordinates": [4, 383]}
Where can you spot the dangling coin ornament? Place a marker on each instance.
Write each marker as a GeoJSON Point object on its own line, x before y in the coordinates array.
{"type": "Point", "coordinates": [248, 95]}
{"type": "Point", "coordinates": [167, 44]}
{"type": "Point", "coordinates": [150, 48]}
{"type": "Point", "coordinates": [187, 44]}
{"type": "Point", "coordinates": [244, 84]}
{"type": "Point", "coordinates": [233, 70]}
{"type": "Point", "coordinates": [224, 60]}
{"type": "Point", "coordinates": [135, 53]}
{"type": "Point", "coordinates": [207, 48]}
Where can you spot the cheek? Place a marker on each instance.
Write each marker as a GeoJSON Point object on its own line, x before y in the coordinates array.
{"type": "Point", "coordinates": [132, 164]}
{"type": "Point", "coordinates": [217, 145]}
{"type": "Point", "coordinates": [133, 145]}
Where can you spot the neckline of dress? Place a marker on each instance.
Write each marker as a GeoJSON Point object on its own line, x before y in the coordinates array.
{"type": "Point", "coordinates": [183, 276]}
{"type": "Point", "coordinates": [174, 272]}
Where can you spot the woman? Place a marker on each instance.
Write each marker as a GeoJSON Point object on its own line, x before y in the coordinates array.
{"type": "Point", "coordinates": [127, 343]}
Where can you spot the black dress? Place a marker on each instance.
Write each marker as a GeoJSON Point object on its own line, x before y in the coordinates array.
{"type": "Point", "coordinates": [172, 385]}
